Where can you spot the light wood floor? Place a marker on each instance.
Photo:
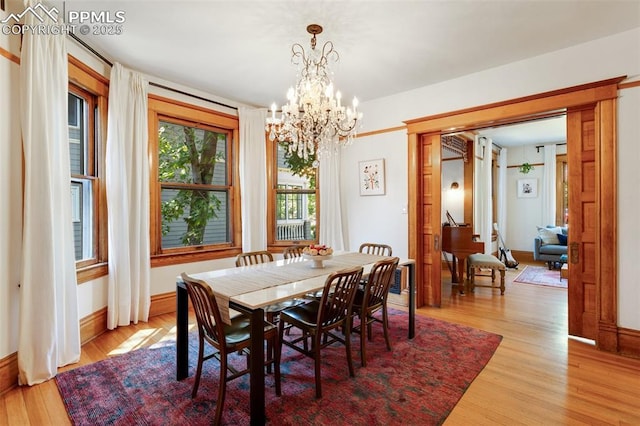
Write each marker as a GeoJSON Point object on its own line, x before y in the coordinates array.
{"type": "Point", "coordinates": [538, 376]}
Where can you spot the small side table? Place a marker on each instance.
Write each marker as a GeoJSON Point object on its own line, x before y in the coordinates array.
{"type": "Point", "coordinates": [564, 271]}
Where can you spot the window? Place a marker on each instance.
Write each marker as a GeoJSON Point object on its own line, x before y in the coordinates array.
{"type": "Point", "coordinates": [83, 172]}
{"type": "Point", "coordinates": [293, 210]}
{"type": "Point", "coordinates": [194, 181]}
{"type": "Point", "coordinates": [86, 122]}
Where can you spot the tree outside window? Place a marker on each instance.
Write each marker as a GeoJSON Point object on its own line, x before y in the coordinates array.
{"type": "Point", "coordinates": [194, 180]}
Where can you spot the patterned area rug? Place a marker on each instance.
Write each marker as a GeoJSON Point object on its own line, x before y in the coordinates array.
{"type": "Point", "coordinates": [418, 382]}
{"type": "Point", "coordinates": [541, 275]}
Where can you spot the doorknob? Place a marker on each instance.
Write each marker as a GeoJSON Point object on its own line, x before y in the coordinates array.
{"type": "Point", "coordinates": [436, 242]}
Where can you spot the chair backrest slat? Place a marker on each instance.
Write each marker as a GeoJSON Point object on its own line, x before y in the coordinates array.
{"type": "Point", "coordinates": [253, 258]}
{"type": "Point", "coordinates": [206, 309]}
{"type": "Point", "coordinates": [379, 281]}
{"type": "Point", "coordinates": [377, 249]}
{"type": "Point", "coordinates": [337, 298]}
{"type": "Point", "coordinates": [292, 251]}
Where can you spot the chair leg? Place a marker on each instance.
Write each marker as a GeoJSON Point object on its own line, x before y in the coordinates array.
{"type": "Point", "coordinates": [222, 389]}
{"type": "Point", "coordinates": [385, 326]}
{"type": "Point", "coordinates": [276, 361]}
{"type": "Point", "coordinates": [363, 339]}
{"type": "Point", "coordinates": [347, 344]}
{"type": "Point", "coordinates": [196, 382]}
{"type": "Point", "coordinates": [278, 350]}
{"type": "Point", "coordinates": [270, 316]}
{"type": "Point", "coordinates": [315, 342]}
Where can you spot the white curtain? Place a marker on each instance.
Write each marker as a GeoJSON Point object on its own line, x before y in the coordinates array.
{"type": "Point", "coordinates": [49, 329]}
{"type": "Point", "coordinates": [253, 175]}
{"type": "Point", "coordinates": [127, 185]}
{"type": "Point", "coordinates": [501, 214]}
{"type": "Point", "coordinates": [482, 209]}
{"type": "Point", "coordinates": [549, 186]}
{"type": "Point", "coordinates": [331, 232]}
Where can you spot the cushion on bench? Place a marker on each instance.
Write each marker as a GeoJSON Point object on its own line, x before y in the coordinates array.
{"type": "Point", "coordinates": [485, 261]}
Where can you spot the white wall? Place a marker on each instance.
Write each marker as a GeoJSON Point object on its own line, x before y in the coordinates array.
{"type": "Point", "coordinates": [376, 218]}
{"type": "Point", "coordinates": [628, 206]}
{"type": "Point", "coordinates": [609, 57]}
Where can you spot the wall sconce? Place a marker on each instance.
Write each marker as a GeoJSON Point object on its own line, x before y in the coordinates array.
{"type": "Point", "coordinates": [455, 185]}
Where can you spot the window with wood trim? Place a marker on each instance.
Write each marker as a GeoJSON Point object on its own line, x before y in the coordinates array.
{"type": "Point", "coordinates": [87, 113]}
{"type": "Point", "coordinates": [193, 181]}
{"type": "Point", "coordinates": [293, 198]}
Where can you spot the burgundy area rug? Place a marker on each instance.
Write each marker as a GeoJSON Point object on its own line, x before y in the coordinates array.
{"type": "Point", "coordinates": [541, 275]}
{"type": "Point", "coordinates": [417, 383]}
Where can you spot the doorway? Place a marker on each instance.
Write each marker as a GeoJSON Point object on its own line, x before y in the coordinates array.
{"type": "Point", "coordinates": [591, 116]}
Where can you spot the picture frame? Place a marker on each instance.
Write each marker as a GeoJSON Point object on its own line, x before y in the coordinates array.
{"type": "Point", "coordinates": [371, 177]}
{"type": "Point", "coordinates": [527, 188]}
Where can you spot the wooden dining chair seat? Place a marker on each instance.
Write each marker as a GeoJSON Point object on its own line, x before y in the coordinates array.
{"type": "Point", "coordinates": [271, 312]}
{"type": "Point", "coordinates": [226, 339]}
{"type": "Point", "coordinates": [320, 320]}
{"type": "Point", "coordinates": [371, 299]}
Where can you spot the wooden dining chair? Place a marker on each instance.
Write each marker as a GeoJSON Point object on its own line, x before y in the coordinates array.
{"type": "Point", "coordinates": [225, 339]}
{"type": "Point", "coordinates": [371, 299]}
{"type": "Point", "coordinates": [320, 319]}
{"type": "Point", "coordinates": [292, 251]}
{"type": "Point", "coordinates": [271, 312]}
{"type": "Point", "coordinates": [253, 258]}
{"type": "Point", "coordinates": [375, 248]}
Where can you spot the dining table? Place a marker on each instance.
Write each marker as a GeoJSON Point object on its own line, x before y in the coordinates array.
{"type": "Point", "coordinates": [248, 289]}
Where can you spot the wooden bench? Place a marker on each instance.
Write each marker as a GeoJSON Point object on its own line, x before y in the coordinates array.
{"type": "Point", "coordinates": [486, 261]}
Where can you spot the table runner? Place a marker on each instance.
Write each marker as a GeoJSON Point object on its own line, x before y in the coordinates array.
{"type": "Point", "coordinates": [247, 279]}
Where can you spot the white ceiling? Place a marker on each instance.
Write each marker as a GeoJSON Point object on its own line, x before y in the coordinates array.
{"type": "Point", "coordinates": [240, 50]}
{"type": "Point", "coordinates": [539, 132]}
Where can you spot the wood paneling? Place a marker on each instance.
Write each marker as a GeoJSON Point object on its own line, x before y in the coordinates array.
{"type": "Point", "coordinates": [583, 170]}
{"type": "Point", "coordinates": [607, 225]}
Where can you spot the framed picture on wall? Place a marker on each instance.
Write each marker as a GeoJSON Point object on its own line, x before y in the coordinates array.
{"type": "Point", "coordinates": [371, 177]}
{"type": "Point", "coordinates": [527, 188]}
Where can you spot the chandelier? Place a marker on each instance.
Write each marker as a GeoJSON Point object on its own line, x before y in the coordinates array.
{"type": "Point", "coordinates": [314, 121]}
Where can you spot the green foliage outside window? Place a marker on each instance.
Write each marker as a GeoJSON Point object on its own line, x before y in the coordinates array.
{"type": "Point", "coordinates": [187, 162]}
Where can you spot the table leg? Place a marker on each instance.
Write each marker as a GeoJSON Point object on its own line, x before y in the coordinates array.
{"type": "Point", "coordinates": [182, 331]}
{"type": "Point", "coordinates": [256, 391]}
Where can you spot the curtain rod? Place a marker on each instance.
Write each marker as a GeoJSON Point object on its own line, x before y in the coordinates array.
{"type": "Point", "coordinates": [151, 83]}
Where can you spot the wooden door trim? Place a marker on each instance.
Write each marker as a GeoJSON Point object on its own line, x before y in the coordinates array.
{"type": "Point", "coordinates": [516, 110]}
{"type": "Point", "coordinates": [607, 241]}
{"type": "Point", "coordinates": [600, 94]}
